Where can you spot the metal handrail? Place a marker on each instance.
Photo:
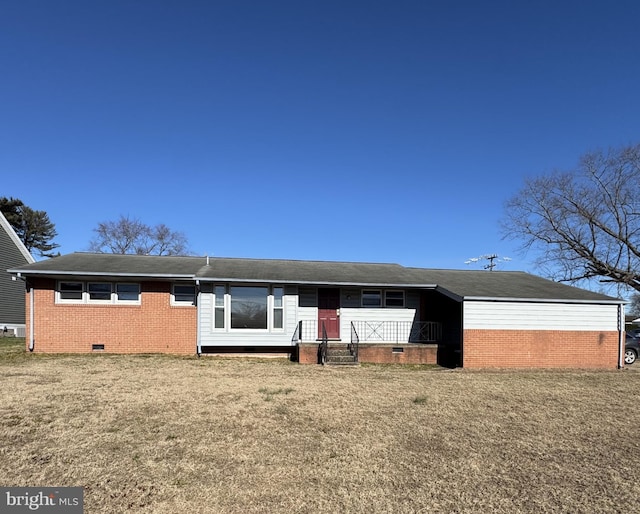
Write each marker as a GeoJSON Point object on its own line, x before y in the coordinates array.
{"type": "Point", "coordinates": [324, 345]}
{"type": "Point", "coordinates": [355, 341]}
{"type": "Point", "coordinates": [297, 334]}
{"type": "Point", "coordinates": [399, 331]}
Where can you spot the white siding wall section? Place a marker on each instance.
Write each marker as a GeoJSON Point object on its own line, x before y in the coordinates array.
{"type": "Point", "coordinates": [539, 316]}
{"type": "Point", "coordinates": [238, 337]}
{"type": "Point", "coordinates": [377, 325]}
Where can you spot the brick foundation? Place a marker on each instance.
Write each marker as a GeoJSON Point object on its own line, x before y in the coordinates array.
{"type": "Point", "coordinates": [154, 326]}
{"type": "Point", "coordinates": [540, 349]}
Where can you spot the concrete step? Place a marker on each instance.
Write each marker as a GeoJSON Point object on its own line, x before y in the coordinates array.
{"type": "Point", "coordinates": [341, 360]}
{"type": "Point", "coordinates": [338, 353]}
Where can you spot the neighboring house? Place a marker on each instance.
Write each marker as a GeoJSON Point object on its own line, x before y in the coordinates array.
{"type": "Point", "coordinates": [12, 254]}
{"type": "Point", "coordinates": [185, 305]}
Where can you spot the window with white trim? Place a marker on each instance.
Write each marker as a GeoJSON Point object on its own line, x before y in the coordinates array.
{"type": "Point", "coordinates": [70, 291]}
{"type": "Point", "coordinates": [371, 298]}
{"type": "Point", "coordinates": [184, 294]}
{"type": "Point", "coordinates": [249, 307]}
{"type": "Point", "coordinates": [127, 292]}
{"type": "Point", "coordinates": [98, 292]}
{"type": "Point", "coordinates": [394, 298]}
{"type": "Point", "coordinates": [278, 308]}
{"type": "Point", "coordinates": [219, 292]}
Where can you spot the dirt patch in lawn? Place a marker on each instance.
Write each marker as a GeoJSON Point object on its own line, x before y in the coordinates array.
{"type": "Point", "coordinates": [165, 435]}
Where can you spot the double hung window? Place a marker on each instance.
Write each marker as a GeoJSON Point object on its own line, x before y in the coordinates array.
{"type": "Point", "coordinates": [218, 321]}
{"type": "Point", "coordinates": [278, 308]}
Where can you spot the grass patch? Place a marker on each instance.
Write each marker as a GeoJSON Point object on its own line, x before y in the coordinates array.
{"type": "Point", "coordinates": [12, 348]}
{"type": "Point", "coordinates": [270, 393]}
{"type": "Point", "coordinates": [168, 435]}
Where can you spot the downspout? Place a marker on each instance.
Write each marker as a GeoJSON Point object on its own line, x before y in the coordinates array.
{"type": "Point", "coordinates": [621, 335]}
{"type": "Point", "coordinates": [198, 335]}
{"type": "Point", "coordinates": [32, 303]}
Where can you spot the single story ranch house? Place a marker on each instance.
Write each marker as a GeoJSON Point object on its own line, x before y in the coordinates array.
{"type": "Point", "coordinates": [318, 312]}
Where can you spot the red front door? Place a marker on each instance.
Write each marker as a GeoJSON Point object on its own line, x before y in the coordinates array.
{"type": "Point", "coordinates": [329, 312]}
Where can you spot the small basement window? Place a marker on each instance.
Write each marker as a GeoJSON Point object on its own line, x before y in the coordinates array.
{"type": "Point", "coordinates": [95, 347]}
{"type": "Point", "coordinates": [397, 349]}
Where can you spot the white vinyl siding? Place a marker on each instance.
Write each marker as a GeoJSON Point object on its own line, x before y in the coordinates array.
{"type": "Point", "coordinates": [375, 315]}
{"type": "Point", "coordinates": [539, 316]}
{"type": "Point", "coordinates": [213, 335]}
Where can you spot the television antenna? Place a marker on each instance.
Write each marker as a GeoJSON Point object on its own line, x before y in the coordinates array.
{"type": "Point", "coordinates": [493, 258]}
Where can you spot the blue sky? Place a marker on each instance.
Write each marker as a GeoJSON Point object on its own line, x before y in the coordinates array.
{"type": "Point", "coordinates": [383, 131]}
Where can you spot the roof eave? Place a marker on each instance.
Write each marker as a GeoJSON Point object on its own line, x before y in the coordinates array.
{"type": "Point", "coordinates": [48, 273]}
{"type": "Point", "coordinates": [316, 282]}
{"type": "Point", "coordinates": [612, 301]}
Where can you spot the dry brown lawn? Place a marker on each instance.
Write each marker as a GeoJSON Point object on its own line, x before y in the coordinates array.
{"type": "Point", "coordinates": [187, 435]}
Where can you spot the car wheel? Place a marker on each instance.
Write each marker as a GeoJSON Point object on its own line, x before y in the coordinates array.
{"type": "Point", "coordinates": [630, 357]}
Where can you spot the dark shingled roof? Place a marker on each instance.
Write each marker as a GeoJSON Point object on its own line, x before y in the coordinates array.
{"type": "Point", "coordinates": [503, 284]}
{"type": "Point", "coordinates": [107, 264]}
{"type": "Point", "coordinates": [300, 272]}
{"type": "Point", "coordinates": [460, 283]}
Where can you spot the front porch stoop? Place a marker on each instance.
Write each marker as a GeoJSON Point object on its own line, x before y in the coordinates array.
{"type": "Point", "coordinates": [338, 354]}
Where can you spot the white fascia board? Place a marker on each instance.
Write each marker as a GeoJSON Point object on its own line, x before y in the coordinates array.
{"type": "Point", "coordinates": [16, 240]}
{"type": "Point", "coordinates": [540, 300]}
{"type": "Point", "coordinates": [50, 273]}
{"type": "Point", "coordinates": [319, 283]}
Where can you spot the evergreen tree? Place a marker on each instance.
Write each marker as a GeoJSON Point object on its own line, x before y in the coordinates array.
{"type": "Point", "coordinates": [34, 228]}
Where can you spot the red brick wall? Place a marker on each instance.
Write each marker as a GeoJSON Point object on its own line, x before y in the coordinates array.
{"type": "Point", "coordinates": [152, 327]}
{"type": "Point", "coordinates": [539, 349]}
{"type": "Point", "coordinates": [308, 354]}
{"type": "Point", "coordinates": [379, 354]}
{"type": "Point", "coordinates": [411, 354]}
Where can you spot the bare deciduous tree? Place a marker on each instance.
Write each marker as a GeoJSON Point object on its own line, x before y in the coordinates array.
{"type": "Point", "coordinates": [585, 222]}
{"type": "Point", "coordinates": [132, 236]}
{"type": "Point", "coordinates": [634, 306]}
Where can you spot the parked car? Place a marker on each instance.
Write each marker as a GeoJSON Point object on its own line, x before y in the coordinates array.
{"type": "Point", "coordinates": [631, 349]}
{"type": "Point", "coordinates": [634, 333]}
